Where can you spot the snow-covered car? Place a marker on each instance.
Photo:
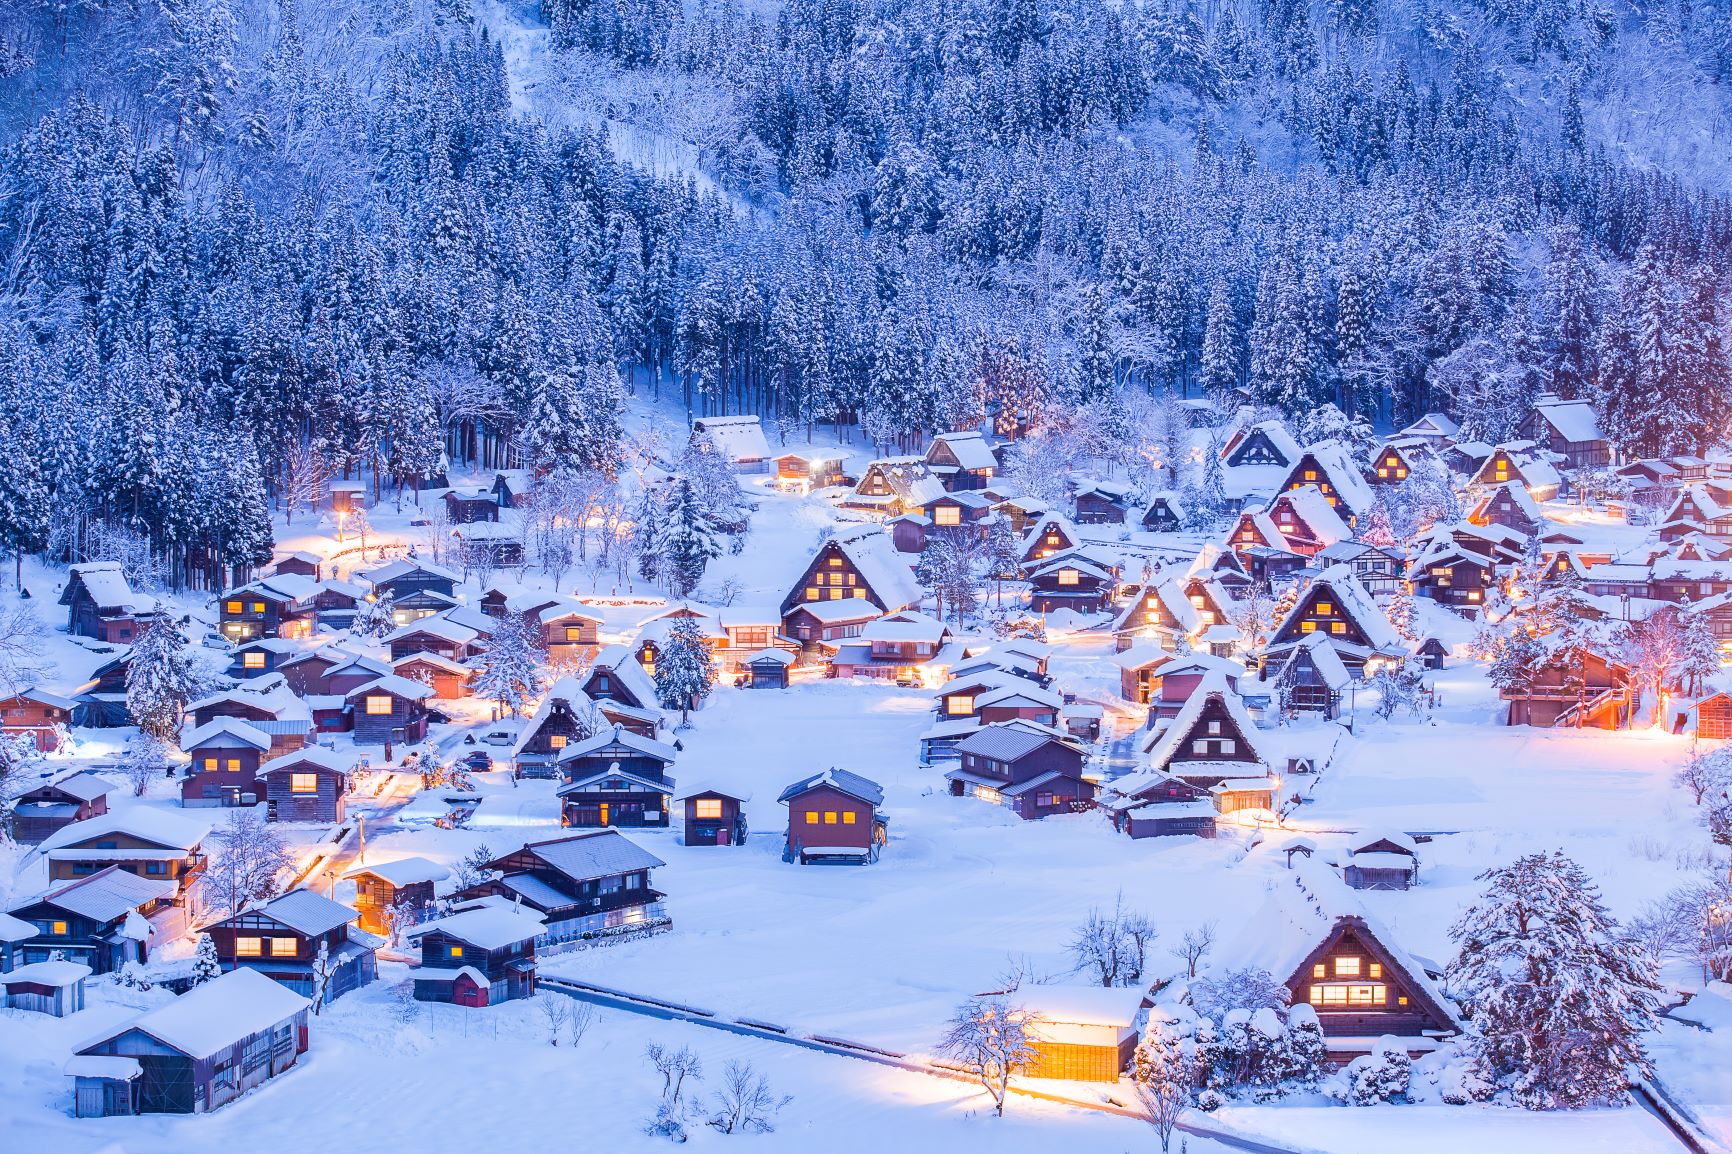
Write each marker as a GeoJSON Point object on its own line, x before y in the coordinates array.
{"type": "Point", "coordinates": [500, 735]}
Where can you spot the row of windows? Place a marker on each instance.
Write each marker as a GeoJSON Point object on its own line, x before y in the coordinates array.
{"type": "Point", "coordinates": [1335, 627]}
{"type": "Point", "coordinates": [250, 947]}
{"type": "Point", "coordinates": [831, 817]}
{"type": "Point", "coordinates": [815, 594]}
{"type": "Point", "coordinates": [232, 765]}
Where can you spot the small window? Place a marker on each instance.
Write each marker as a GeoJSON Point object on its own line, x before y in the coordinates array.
{"type": "Point", "coordinates": [58, 929]}
{"type": "Point", "coordinates": [456, 951]}
{"type": "Point", "coordinates": [249, 947]}
{"type": "Point", "coordinates": [829, 817]}
{"type": "Point", "coordinates": [1347, 967]}
{"type": "Point", "coordinates": [258, 606]}
{"type": "Point", "coordinates": [959, 705]}
{"type": "Point", "coordinates": [1308, 627]}
{"type": "Point", "coordinates": [947, 515]}
{"type": "Point", "coordinates": [210, 765]}
{"type": "Point", "coordinates": [1325, 608]}
{"type": "Point", "coordinates": [1375, 969]}
{"type": "Point", "coordinates": [303, 783]}
{"type": "Point", "coordinates": [557, 741]}
{"type": "Point", "coordinates": [811, 817]}
{"type": "Point", "coordinates": [233, 607]}
{"type": "Point", "coordinates": [707, 807]}
{"type": "Point", "coordinates": [1319, 970]}
{"type": "Point", "coordinates": [253, 659]}
{"type": "Point", "coordinates": [848, 817]}
{"type": "Point", "coordinates": [234, 765]}
{"type": "Point", "coordinates": [379, 705]}
{"type": "Point", "coordinates": [1338, 627]}
{"type": "Point", "coordinates": [284, 947]}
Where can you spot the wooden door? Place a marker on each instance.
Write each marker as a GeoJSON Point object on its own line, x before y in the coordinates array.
{"type": "Point", "coordinates": [604, 812]}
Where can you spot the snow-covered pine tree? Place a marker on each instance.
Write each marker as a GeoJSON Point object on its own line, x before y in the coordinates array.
{"type": "Point", "coordinates": [1558, 995]}
{"type": "Point", "coordinates": [685, 670]}
{"type": "Point", "coordinates": [160, 680]}
{"type": "Point", "coordinates": [205, 964]}
{"type": "Point", "coordinates": [373, 616]}
{"type": "Point", "coordinates": [688, 540]}
{"type": "Point", "coordinates": [1220, 354]}
{"type": "Point", "coordinates": [511, 669]}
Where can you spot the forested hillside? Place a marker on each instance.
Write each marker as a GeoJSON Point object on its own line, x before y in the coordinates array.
{"type": "Point", "coordinates": [248, 245]}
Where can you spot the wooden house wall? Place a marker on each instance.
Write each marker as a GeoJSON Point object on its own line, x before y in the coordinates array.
{"type": "Point", "coordinates": [822, 800]}
{"type": "Point", "coordinates": [177, 869]}
{"type": "Point", "coordinates": [204, 782]}
{"type": "Point", "coordinates": [831, 576]}
{"type": "Point", "coordinates": [407, 721]}
{"type": "Point", "coordinates": [35, 719]}
{"type": "Point", "coordinates": [82, 941]}
{"type": "Point", "coordinates": [325, 805]}
{"type": "Point", "coordinates": [1400, 1014]}
{"type": "Point", "coordinates": [705, 830]}
{"type": "Point", "coordinates": [629, 761]}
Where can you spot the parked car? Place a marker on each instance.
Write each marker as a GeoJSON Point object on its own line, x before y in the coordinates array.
{"type": "Point", "coordinates": [479, 760]}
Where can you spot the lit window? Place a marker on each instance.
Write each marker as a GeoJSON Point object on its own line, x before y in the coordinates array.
{"type": "Point", "coordinates": [960, 705]}
{"type": "Point", "coordinates": [249, 947]}
{"type": "Point", "coordinates": [860, 593]}
{"type": "Point", "coordinates": [1347, 967]}
{"type": "Point", "coordinates": [1310, 474]}
{"type": "Point", "coordinates": [1324, 609]}
{"type": "Point", "coordinates": [284, 947]}
{"type": "Point", "coordinates": [947, 515]}
{"type": "Point", "coordinates": [456, 951]}
{"type": "Point", "coordinates": [258, 606]}
{"type": "Point", "coordinates": [234, 765]}
{"type": "Point", "coordinates": [829, 817]}
{"type": "Point", "coordinates": [379, 705]}
{"type": "Point", "coordinates": [574, 633]}
{"type": "Point", "coordinates": [710, 807]}
{"type": "Point", "coordinates": [232, 607]}
{"type": "Point", "coordinates": [1376, 969]}
{"type": "Point", "coordinates": [834, 562]}
{"type": "Point", "coordinates": [1338, 627]}
{"type": "Point", "coordinates": [557, 741]}
{"type": "Point", "coordinates": [1214, 727]}
{"type": "Point", "coordinates": [210, 765]}
{"type": "Point", "coordinates": [1308, 627]}
{"type": "Point", "coordinates": [1382, 472]}
{"type": "Point", "coordinates": [58, 929]}
{"type": "Point", "coordinates": [253, 659]}
{"type": "Point", "coordinates": [1068, 576]}
{"type": "Point", "coordinates": [1319, 970]}
{"type": "Point", "coordinates": [811, 817]}
{"type": "Point", "coordinates": [848, 817]}
{"type": "Point", "coordinates": [303, 783]}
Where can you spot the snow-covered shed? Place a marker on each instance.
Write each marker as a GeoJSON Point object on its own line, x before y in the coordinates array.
{"type": "Point", "coordinates": [1081, 1033]}
{"type": "Point", "coordinates": [740, 440]}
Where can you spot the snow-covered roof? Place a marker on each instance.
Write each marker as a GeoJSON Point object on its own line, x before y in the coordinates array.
{"type": "Point", "coordinates": [405, 871]}
{"type": "Point", "coordinates": [776, 656]}
{"type": "Point", "coordinates": [403, 566]}
{"type": "Point", "coordinates": [43, 697]}
{"type": "Point", "coordinates": [438, 626]}
{"type": "Point", "coordinates": [1019, 689]}
{"type": "Point", "coordinates": [486, 927]}
{"type": "Point", "coordinates": [1002, 742]}
{"type": "Point", "coordinates": [444, 664]}
{"type": "Point", "coordinates": [614, 773]}
{"type": "Point", "coordinates": [398, 686]}
{"type": "Point", "coordinates": [1382, 861]}
{"type": "Point", "coordinates": [1082, 1005]}
{"type": "Point", "coordinates": [594, 854]}
{"type": "Point", "coordinates": [873, 554]}
{"type": "Point", "coordinates": [1573, 420]}
{"type": "Point", "coordinates": [15, 929]}
{"type": "Point", "coordinates": [1071, 559]}
{"type": "Point", "coordinates": [1336, 461]}
{"type": "Point", "coordinates": [852, 784]}
{"type": "Point", "coordinates": [1432, 425]}
{"type": "Point", "coordinates": [1518, 493]}
{"type": "Point", "coordinates": [905, 626]}
{"type": "Point", "coordinates": [216, 1014]}
{"type": "Point", "coordinates": [845, 611]}
{"type": "Point", "coordinates": [1276, 431]}
{"type": "Point", "coordinates": [225, 731]}
{"type": "Point", "coordinates": [739, 438]}
{"type": "Point", "coordinates": [1142, 655]}
{"type": "Point", "coordinates": [1351, 596]}
{"type": "Point", "coordinates": [970, 450]}
{"type": "Point", "coordinates": [269, 694]}
{"type": "Point", "coordinates": [306, 912]}
{"type": "Point", "coordinates": [105, 896]}
{"type": "Point", "coordinates": [1394, 837]}
{"type": "Point", "coordinates": [83, 785]}
{"type": "Point", "coordinates": [105, 1068]}
{"type": "Point", "coordinates": [618, 735]}
{"type": "Point", "coordinates": [618, 660]}
{"type": "Point", "coordinates": [106, 583]}
{"type": "Point", "coordinates": [147, 823]}
{"type": "Point", "coordinates": [1313, 509]}
{"type": "Point", "coordinates": [1327, 661]}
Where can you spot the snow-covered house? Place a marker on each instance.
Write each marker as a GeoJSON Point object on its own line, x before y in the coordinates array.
{"type": "Point", "coordinates": [1454, 570]}
{"type": "Point", "coordinates": [1386, 860]}
{"type": "Point", "coordinates": [1329, 466]}
{"type": "Point", "coordinates": [1572, 684]}
{"type": "Point", "coordinates": [1310, 678]}
{"type": "Point", "coordinates": [1160, 613]}
{"type": "Point", "coordinates": [1569, 429]}
{"type": "Point", "coordinates": [834, 816]}
{"type": "Point", "coordinates": [1081, 1033]}
{"type": "Point", "coordinates": [480, 955]}
{"type": "Point", "coordinates": [1030, 772]}
{"type": "Point", "coordinates": [389, 710]}
{"type": "Point", "coordinates": [436, 634]}
{"type": "Point", "coordinates": [310, 784]}
{"type": "Point", "coordinates": [1396, 460]}
{"type": "Point", "coordinates": [1069, 581]}
{"type": "Point", "coordinates": [1701, 508]}
{"type": "Point", "coordinates": [226, 753]}
{"type": "Point", "coordinates": [739, 439]}
{"type": "Point", "coordinates": [1212, 743]}
{"type": "Point", "coordinates": [1432, 428]}
{"type": "Point", "coordinates": [1509, 505]}
{"type": "Point", "coordinates": [1336, 605]}
{"type": "Point", "coordinates": [1314, 939]}
{"type": "Point", "coordinates": [301, 940]}
{"type": "Point", "coordinates": [1165, 514]}
{"type": "Point", "coordinates": [416, 588]}
{"type": "Point", "coordinates": [808, 469]}
{"type": "Point", "coordinates": [204, 1049]}
{"type": "Point", "coordinates": [819, 626]}
{"type": "Point", "coordinates": [100, 603]}
{"type": "Point", "coordinates": [401, 888]}
{"type": "Point", "coordinates": [264, 655]}
{"type": "Point", "coordinates": [616, 675]}
{"type": "Point", "coordinates": [280, 605]}
{"type": "Point", "coordinates": [908, 647]}
{"type": "Point", "coordinates": [152, 843]}
{"type": "Point", "coordinates": [615, 778]}
{"type": "Point", "coordinates": [1520, 461]}
{"type": "Point", "coordinates": [1098, 502]}
{"type": "Point", "coordinates": [856, 563]}
{"type": "Point", "coordinates": [892, 486]}
{"type": "Point", "coordinates": [44, 808]}
{"type": "Point", "coordinates": [1306, 520]}
{"type": "Point", "coordinates": [53, 988]}
{"type": "Point", "coordinates": [99, 920]}
{"type": "Point", "coordinates": [1050, 536]}
{"type": "Point", "coordinates": [961, 460]}
{"type": "Point", "coordinates": [1380, 570]}
{"type": "Point", "coordinates": [41, 716]}
{"type": "Point", "coordinates": [267, 704]}
{"type": "Point", "coordinates": [580, 884]}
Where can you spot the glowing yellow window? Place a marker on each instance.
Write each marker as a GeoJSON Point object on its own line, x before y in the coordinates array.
{"type": "Point", "coordinates": [456, 951]}
{"type": "Point", "coordinates": [811, 593]}
{"type": "Point", "coordinates": [258, 606]}
{"type": "Point", "coordinates": [1308, 627]}
{"type": "Point", "coordinates": [233, 607]}
{"type": "Point", "coordinates": [811, 817]}
{"type": "Point", "coordinates": [58, 929]}
{"type": "Point", "coordinates": [1325, 608]}
{"type": "Point", "coordinates": [234, 765]}
{"type": "Point", "coordinates": [253, 659]}
{"type": "Point", "coordinates": [210, 765]}
{"type": "Point", "coordinates": [303, 783]}
{"type": "Point", "coordinates": [1338, 627]}
{"type": "Point", "coordinates": [1319, 970]}
{"type": "Point", "coordinates": [859, 593]}
{"type": "Point", "coordinates": [1068, 576]}
{"type": "Point", "coordinates": [249, 947]}
{"type": "Point", "coordinates": [960, 705]}
{"type": "Point", "coordinates": [379, 705]}
{"type": "Point", "coordinates": [834, 562]}
{"type": "Point", "coordinates": [707, 807]}
{"type": "Point", "coordinates": [283, 947]}
{"type": "Point", "coordinates": [1347, 967]}
{"type": "Point", "coordinates": [848, 817]}
{"type": "Point", "coordinates": [574, 633]}
{"type": "Point", "coordinates": [947, 515]}
{"type": "Point", "coordinates": [557, 741]}
{"type": "Point", "coordinates": [1310, 474]}
{"type": "Point", "coordinates": [829, 817]}
{"type": "Point", "coordinates": [1375, 969]}
{"type": "Point", "coordinates": [1382, 472]}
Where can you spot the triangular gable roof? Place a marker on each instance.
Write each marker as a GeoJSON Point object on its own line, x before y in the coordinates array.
{"type": "Point", "coordinates": [1274, 432]}
{"type": "Point", "coordinates": [1432, 425]}
{"type": "Point", "coordinates": [1173, 601]}
{"type": "Point", "coordinates": [1351, 599]}
{"type": "Point", "coordinates": [1534, 471]}
{"type": "Point", "coordinates": [305, 911]}
{"type": "Point", "coordinates": [613, 773]}
{"type": "Point", "coordinates": [1313, 511]}
{"type": "Point", "coordinates": [1516, 493]}
{"type": "Point", "coordinates": [738, 438]}
{"type": "Point", "coordinates": [861, 788]}
{"type": "Point", "coordinates": [969, 449]}
{"type": "Point", "coordinates": [1335, 462]}
{"type": "Point", "coordinates": [231, 728]}
{"type": "Point", "coordinates": [618, 735]}
{"type": "Point", "coordinates": [105, 583]}
{"type": "Point", "coordinates": [216, 1015]}
{"type": "Point", "coordinates": [873, 554]}
{"type": "Point", "coordinates": [394, 685]}
{"type": "Point", "coordinates": [1324, 659]}
{"type": "Point", "coordinates": [1031, 540]}
{"type": "Point", "coordinates": [618, 661]}
{"type": "Point", "coordinates": [1213, 687]}
{"type": "Point", "coordinates": [1574, 421]}
{"type": "Point", "coordinates": [108, 895]}
{"type": "Point", "coordinates": [314, 756]}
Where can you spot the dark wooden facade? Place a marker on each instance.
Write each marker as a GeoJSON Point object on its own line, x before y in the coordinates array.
{"type": "Point", "coordinates": [306, 787]}
{"type": "Point", "coordinates": [256, 940]}
{"type": "Point", "coordinates": [41, 717]}
{"type": "Point", "coordinates": [1361, 991]}
{"type": "Point", "coordinates": [714, 818]}
{"type": "Point", "coordinates": [52, 806]}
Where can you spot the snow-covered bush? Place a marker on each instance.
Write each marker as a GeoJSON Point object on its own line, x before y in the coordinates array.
{"type": "Point", "coordinates": [1384, 1075]}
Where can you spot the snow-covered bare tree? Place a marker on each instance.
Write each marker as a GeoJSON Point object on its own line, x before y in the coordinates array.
{"type": "Point", "coordinates": [744, 1103]}
{"type": "Point", "coordinates": [249, 857]}
{"type": "Point", "coordinates": [1194, 947]}
{"type": "Point", "coordinates": [1164, 1076]}
{"type": "Point", "coordinates": [1113, 947]}
{"type": "Point", "coordinates": [145, 759]}
{"type": "Point", "coordinates": [511, 669]}
{"type": "Point", "coordinates": [992, 1039]}
{"type": "Point", "coordinates": [676, 1067]}
{"type": "Point", "coordinates": [21, 650]}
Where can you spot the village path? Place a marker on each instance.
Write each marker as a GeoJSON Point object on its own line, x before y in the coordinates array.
{"type": "Point", "coordinates": [369, 817]}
